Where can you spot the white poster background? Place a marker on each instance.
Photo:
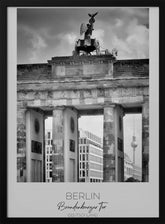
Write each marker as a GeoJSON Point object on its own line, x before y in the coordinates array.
{"type": "Point", "coordinates": [124, 199]}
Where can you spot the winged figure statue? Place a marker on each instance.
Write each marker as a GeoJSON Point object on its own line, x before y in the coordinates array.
{"type": "Point", "coordinates": [83, 28]}
{"type": "Point", "coordinates": [88, 28]}
{"type": "Point", "coordinates": [92, 19]}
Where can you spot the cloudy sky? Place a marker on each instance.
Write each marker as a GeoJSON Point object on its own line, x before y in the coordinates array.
{"type": "Point", "coordinates": [45, 33]}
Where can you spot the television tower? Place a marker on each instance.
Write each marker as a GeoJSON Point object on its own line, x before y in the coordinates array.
{"type": "Point", "coordinates": [134, 145]}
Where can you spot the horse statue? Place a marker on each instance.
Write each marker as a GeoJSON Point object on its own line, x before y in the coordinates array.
{"type": "Point", "coordinates": [87, 45]}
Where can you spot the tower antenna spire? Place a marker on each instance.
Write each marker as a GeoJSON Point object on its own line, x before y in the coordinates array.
{"type": "Point", "coordinates": [134, 145]}
{"type": "Point", "coordinates": [133, 125]}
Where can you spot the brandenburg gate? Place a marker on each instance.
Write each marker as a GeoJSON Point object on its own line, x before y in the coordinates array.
{"type": "Point", "coordinates": [68, 87]}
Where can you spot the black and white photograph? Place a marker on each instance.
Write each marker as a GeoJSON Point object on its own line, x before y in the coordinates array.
{"type": "Point", "coordinates": [83, 131]}
{"type": "Point", "coordinates": [83, 95]}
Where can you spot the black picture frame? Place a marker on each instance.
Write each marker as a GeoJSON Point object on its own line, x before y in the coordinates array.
{"type": "Point", "coordinates": [4, 4]}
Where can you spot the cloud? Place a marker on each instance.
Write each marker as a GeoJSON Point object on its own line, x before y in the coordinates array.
{"type": "Point", "coordinates": [99, 35]}
{"type": "Point", "coordinates": [70, 38]}
{"type": "Point", "coordinates": [34, 43]}
{"type": "Point", "coordinates": [118, 23]}
{"type": "Point", "coordinates": [64, 44]}
{"type": "Point", "coordinates": [138, 39]}
{"type": "Point", "coordinates": [44, 33]}
{"type": "Point", "coordinates": [38, 44]}
{"type": "Point", "coordinates": [129, 38]}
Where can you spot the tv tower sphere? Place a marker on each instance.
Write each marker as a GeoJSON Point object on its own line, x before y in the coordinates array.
{"type": "Point", "coordinates": [134, 143]}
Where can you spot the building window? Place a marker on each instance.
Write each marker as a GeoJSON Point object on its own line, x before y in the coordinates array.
{"type": "Point", "coordinates": [86, 156]}
{"type": "Point", "coordinates": [87, 165]}
{"type": "Point", "coordinates": [83, 165]}
{"type": "Point", "coordinates": [72, 145]}
{"type": "Point", "coordinates": [83, 173]}
{"type": "Point", "coordinates": [120, 123]}
{"type": "Point", "coordinates": [83, 157]}
{"type": "Point", "coordinates": [120, 144]}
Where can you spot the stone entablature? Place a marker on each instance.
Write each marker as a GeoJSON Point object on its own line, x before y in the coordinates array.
{"type": "Point", "coordinates": [83, 67]}
{"type": "Point", "coordinates": [83, 59]}
{"type": "Point", "coordinates": [82, 97]}
{"type": "Point", "coordinates": [82, 90]}
{"type": "Point", "coordinates": [131, 68]}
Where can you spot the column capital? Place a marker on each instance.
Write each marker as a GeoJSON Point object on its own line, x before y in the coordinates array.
{"type": "Point", "coordinates": [45, 117]}
{"type": "Point", "coordinates": [72, 108]}
{"type": "Point", "coordinates": [109, 105]}
{"type": "Point", "coordinates": [59, 108]}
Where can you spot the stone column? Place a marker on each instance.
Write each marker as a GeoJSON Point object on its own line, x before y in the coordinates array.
{"type": "Point", "coordinates": [44, 150]}
{"type": "Point", "coordinates": [78, 136]}
{"type": "Point", "coordinates": [145, 141]}
{"type": "Point", "coordinates": [110, 69]}
{"type": "Point", "coordinates": [58, 145]}
{"type": "Point", "coordinates": [21, 143]}
{"type": "Point", "coordinates": [109, 172]}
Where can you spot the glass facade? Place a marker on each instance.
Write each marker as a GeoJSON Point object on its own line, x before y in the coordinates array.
{"type": "Point", "coordinates": [48, 156]}
{"type": "Point", "coordinates": [91, 158]}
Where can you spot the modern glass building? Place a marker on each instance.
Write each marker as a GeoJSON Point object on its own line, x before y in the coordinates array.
{"type": "Point", "coordinates": [90, 157]}
{"type": "Point", "coordinates": [131, 170]}
{"type": "Point", "coordinates": [48, 155]}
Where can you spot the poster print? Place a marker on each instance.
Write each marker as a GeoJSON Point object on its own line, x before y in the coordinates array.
{"type": "Point", "coordinates": [90, 52]}
{"type": "Point", "coordinates": [83, 132]}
